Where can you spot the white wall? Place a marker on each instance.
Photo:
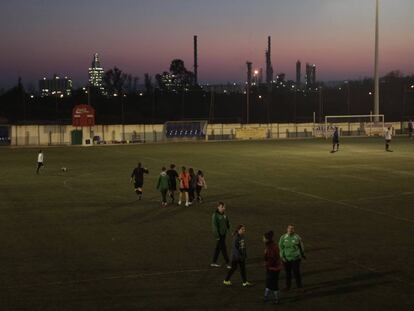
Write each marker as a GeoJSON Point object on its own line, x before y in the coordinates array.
{"type": "Point", "coordinates": [35, 135]}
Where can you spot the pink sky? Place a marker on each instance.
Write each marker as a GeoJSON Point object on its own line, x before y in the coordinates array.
{"type": "Point", "coordinates": [46, 37]}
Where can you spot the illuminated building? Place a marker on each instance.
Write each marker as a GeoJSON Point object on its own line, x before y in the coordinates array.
{"type": "Point", "coordinates": [55, 86]}
{"type": "Point", "coordinates": [96, 73]}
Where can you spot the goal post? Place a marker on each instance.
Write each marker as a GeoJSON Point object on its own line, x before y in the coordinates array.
{"type": "Point", "coordinates": [186, 130]}
{"type": "Point", "coordinates": [355, 125]}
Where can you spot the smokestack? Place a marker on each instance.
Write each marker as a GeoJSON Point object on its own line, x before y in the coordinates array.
{"type": "Point", "coordinates": [269, 46]}
{"type": "Point", "coordinates": [308, 77]}
{"type": "Point", "coordinates": [195, 61]}
{"type": "Point", "coordinates": [298, 73]}
{"type": "Point", "coordinates": [249, 84]}
{"type": "Point", "coordinates": [249, 74]}
{"type": "Point", "coordinates": [314, 74]}
{"type": "Point", "coordinates": [269, 68]}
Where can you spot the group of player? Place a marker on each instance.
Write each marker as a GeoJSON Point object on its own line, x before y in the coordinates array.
{"type": "Point", "coordinates": [189, 183]}
{"type": "Point", "coordinates": [387, 136]}
{"type": "Point", "coordinates": [287, 253]}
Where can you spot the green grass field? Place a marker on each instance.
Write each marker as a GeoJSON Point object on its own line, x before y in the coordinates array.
{"type": "Point", "coordinates": [81, 241]}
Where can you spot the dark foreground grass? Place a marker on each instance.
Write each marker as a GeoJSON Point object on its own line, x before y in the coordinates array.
{"type": "Point", "coordinates": [81, 241]}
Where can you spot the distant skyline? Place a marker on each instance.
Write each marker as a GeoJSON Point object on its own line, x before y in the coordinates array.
{"type": "Point", "coordinates": [43, 37]}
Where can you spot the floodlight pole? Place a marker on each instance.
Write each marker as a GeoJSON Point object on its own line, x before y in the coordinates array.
{"type": "Point", "coordinates": [376, 73]}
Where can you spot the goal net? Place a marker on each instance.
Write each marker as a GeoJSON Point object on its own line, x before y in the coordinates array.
{"type": "Point", "coordinates": [352, 125]}
{"type": "Point", "coordinates": [190, 130]}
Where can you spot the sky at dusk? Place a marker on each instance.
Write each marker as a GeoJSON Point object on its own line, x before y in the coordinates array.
{"type": "Point", "coordinates": [43, 37]}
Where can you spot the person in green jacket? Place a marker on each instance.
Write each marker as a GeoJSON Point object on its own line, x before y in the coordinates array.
{"type": "Point", "coordinates": [221, 226]}
{"type": "Point", "coordinates": [292, 251]}
{"type": "Point", "coordinates": [163, 185]}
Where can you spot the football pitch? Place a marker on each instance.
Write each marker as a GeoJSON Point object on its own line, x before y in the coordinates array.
{"type": "Point", "coordinates": [80, 240]}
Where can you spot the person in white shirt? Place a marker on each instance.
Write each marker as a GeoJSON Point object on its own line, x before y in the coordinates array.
{"type": "Point", "coordinates": [388, 137]}
{"type": "Point", "coordinates": [39, 161]}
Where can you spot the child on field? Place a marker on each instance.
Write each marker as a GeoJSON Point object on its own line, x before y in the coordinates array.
{"type": "Point", "coordinates": [238, 256]}
{"type": "Point", "coordinates": [192, 185]}
{"type": "Point", "coordinates": [388, 137]}
{"type": "Point", "coordinates": [137, 177]}
{"type": "Point", "coordinates": [173, 175]}
{"type": "Point", "coordinates": [335, 140]}
{"type": "Point", "coordinates": [184, 186]}
{"type": "Point", "coordinates": [273, 266]}
{"type": "Point", "coordinates": [163, 185]}
{"type": "Point", "coordinates": [201, 183]}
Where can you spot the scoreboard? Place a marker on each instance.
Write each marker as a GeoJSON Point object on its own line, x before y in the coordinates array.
{"type": "Point", "coordinates": [83, 115]}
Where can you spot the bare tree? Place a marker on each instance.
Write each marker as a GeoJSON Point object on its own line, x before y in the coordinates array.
{"type": "Point", "coordinates": [114, 81]}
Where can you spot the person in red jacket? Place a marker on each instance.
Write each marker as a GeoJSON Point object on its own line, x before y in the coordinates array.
{"type": "Point", "coordinates": [184, 186]}
{"type": "Point", "coordinates": [273, 266]}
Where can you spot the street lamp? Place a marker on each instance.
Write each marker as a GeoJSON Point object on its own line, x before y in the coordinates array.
{"type": "Point", "coordinates": [256, 80]}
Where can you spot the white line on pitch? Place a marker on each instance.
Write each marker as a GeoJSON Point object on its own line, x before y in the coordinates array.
{"type": "Point", "coordinates": [317, 197]}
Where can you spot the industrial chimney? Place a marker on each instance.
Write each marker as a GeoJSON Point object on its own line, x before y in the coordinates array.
{"type": "Point", "coordinates": [249, 84]}
{"type": "Point", "coordinates": [269, 68]}
{"type": "Point", "coordinates": [195, 61]}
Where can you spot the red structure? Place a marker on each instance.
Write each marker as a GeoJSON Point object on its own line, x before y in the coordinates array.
{"type": "Point", "coordinates": [83, 115]}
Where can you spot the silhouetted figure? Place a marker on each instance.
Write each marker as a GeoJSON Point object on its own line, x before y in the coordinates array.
{"type": "Point", "coordinates": [138, 177]}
